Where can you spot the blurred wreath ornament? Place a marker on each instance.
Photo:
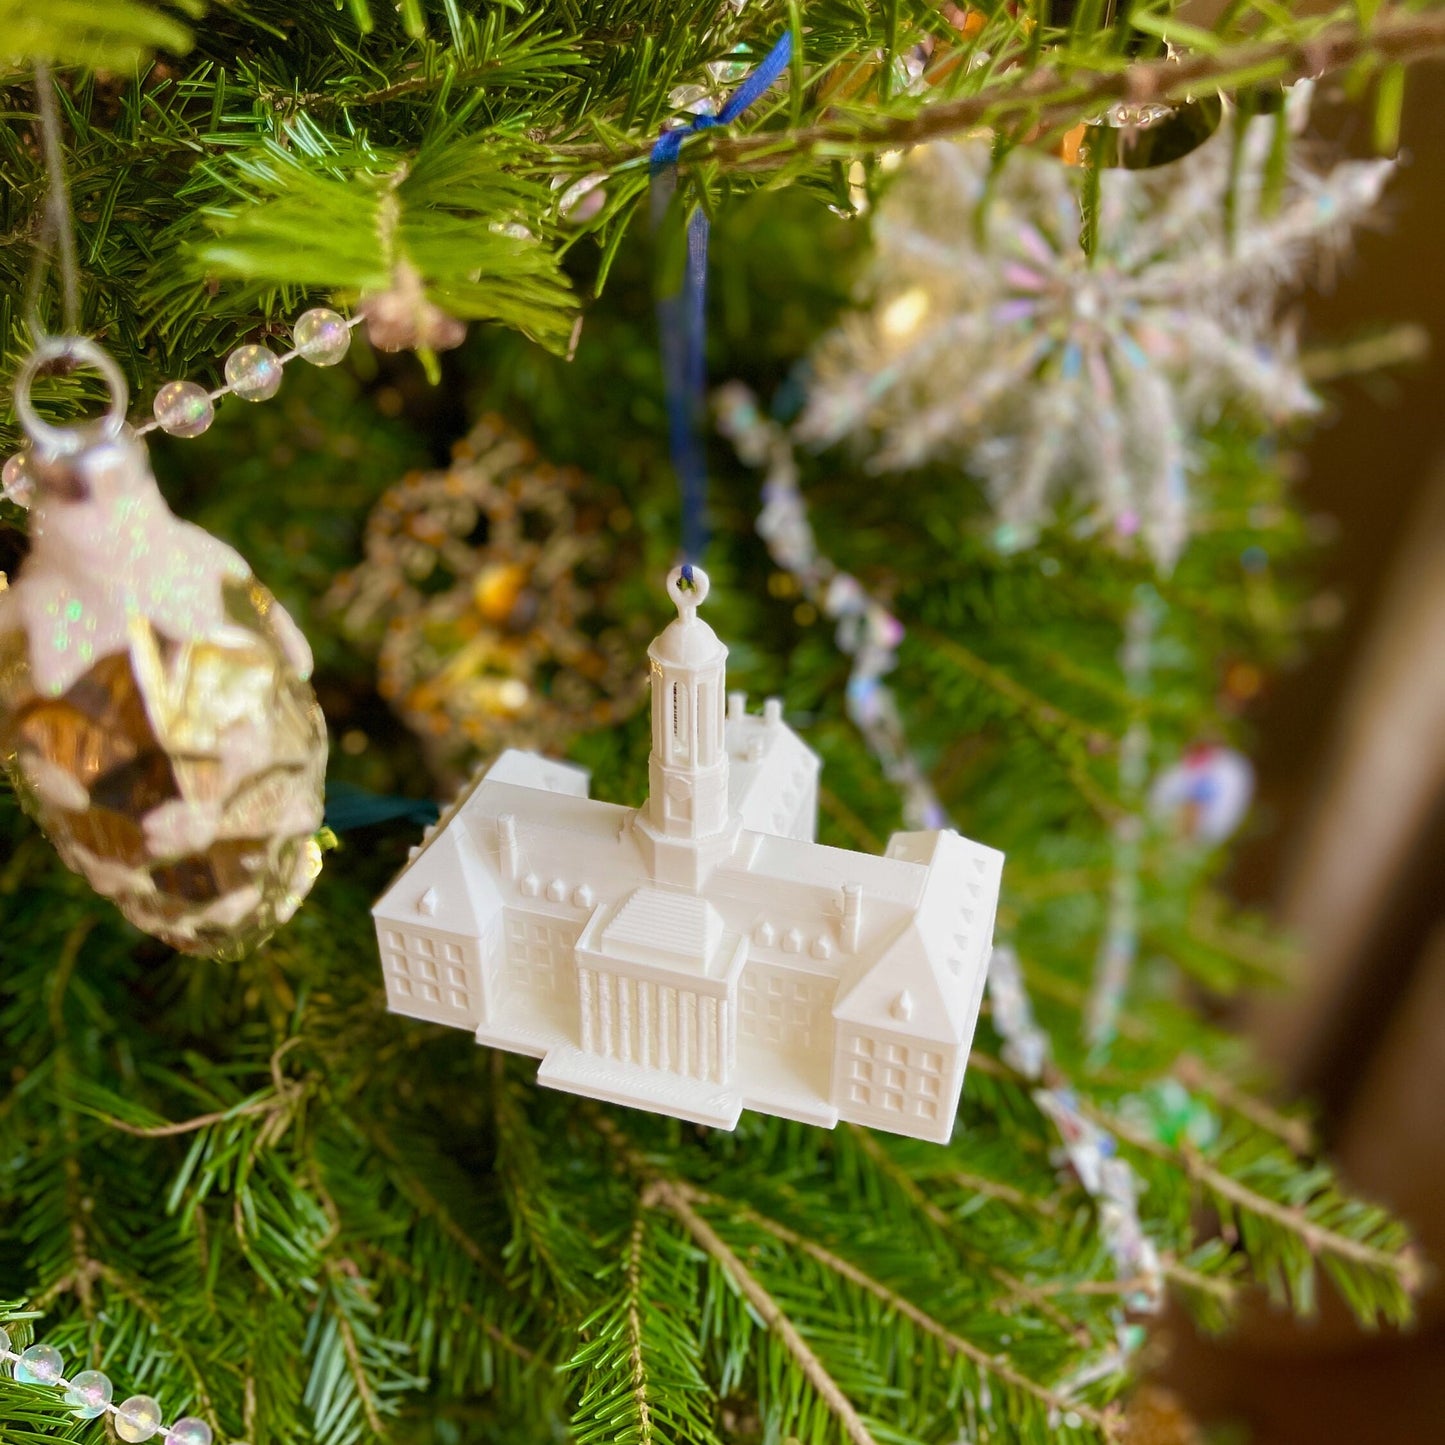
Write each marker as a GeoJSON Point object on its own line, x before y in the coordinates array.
{"type": "Point", "coordinates": [992, 337]}
{"type": "Point", "coordinates": [484, 588]}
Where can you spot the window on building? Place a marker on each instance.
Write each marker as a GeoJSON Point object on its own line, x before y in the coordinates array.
{"type": "Point", "coordinates": [893, 1103]}
{"type": "Point", "coordinates": [681, 749]}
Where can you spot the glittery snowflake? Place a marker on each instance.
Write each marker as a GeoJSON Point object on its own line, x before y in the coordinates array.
{"type": "Point", "coordinates": [991, 337]}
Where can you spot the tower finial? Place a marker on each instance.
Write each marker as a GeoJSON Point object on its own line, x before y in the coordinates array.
{"type": "Point", "coordinates": [687, 586]}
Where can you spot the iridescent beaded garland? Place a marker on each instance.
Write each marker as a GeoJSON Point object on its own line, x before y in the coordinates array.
{"type": "Point", "coordinates": [88, 1394]}
{"type": "Point", "coordinates": [253, 373]}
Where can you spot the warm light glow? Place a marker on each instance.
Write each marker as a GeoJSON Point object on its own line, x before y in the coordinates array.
{"type": "Point", "coordinates": [900, 317]}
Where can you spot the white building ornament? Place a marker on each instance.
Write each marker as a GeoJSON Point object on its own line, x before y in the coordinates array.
{"type": "Point", "coordinates": [701, 954]}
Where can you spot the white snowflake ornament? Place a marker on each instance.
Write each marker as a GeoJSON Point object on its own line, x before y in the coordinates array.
{"type": "Point", "coordinates": [1053, 374]}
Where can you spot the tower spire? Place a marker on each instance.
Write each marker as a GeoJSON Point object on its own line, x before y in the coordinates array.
{"type": "Point", "coordinates": [688, 769]}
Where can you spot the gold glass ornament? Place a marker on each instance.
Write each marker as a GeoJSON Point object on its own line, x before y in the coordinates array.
{"type": "Point", "coordinates": [156, 717]}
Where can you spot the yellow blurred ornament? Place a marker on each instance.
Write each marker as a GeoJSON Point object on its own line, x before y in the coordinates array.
{"type": "Point", "coordinates": [156, 717]}
{"type": "Point", "coordinates": [484, 588]}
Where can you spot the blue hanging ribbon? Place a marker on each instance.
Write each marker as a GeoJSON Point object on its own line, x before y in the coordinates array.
{"type": "Point", "coordinates": [682, 315]}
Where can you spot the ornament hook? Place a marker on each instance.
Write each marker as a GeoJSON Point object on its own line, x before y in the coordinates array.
{"type": "Point", "coordinates": [688, 587]}
{"type": "Point", "coordinates": [64, 440]}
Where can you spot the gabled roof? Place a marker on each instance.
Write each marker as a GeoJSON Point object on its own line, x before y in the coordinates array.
{"type": "Point", "coordinates": [530, 770]}
{"type": "Point", "coordinates": [926, 980]}
{"type": "Point", "coordinates": [769, 769]}
{"type": "Point", "coordinates": [903, 991]}
{"type": "Point", "coordinates": [454, 891]}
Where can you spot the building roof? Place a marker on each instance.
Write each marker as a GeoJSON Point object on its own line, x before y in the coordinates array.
{"type": "Point", "coordinates": [516, 766]}
{"type": "Point", "coordinates": [770, 770]}
{"type": "Point", "coordinates": [688, 641]}
{"type": "Point", "coordinates": [926, 979]}
{"type": "Point", "coordinates": [919, 933]}
{"type": "Point", "coordinates": [656, 925]}
{"type": "Point", "coordinates": [446, 886]}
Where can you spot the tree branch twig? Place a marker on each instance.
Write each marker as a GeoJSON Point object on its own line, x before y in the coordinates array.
{"type": "Point", "coordinates": [1051, 98]}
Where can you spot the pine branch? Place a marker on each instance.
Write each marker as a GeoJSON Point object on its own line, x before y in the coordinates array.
{"type": "Point", "coordinates": [393, 1264]}
{"type": "Point", "coordinates": [635, 1355]}
{"type": "Point", "coordinates": [1387, 1275]}
{"type": "Point", "coordinates": [1014, 1288]}
{"type": "Point", "coordinates": [1005, 1193]}
{"type": "Point", "coordinates": [157, 1319]}
{"type": "Point", "coordinates": [99, 34]}
{"type": "Point", "coordinates": [543, 1240]}
{"type": "Point", "coordinates": [422, 1199]}
{"type": "Point", "coordinates": [1052, 98]}
{"type": "Point", "coordinates": [1295, 1132]}
{"type": "Point", "coordinates": [1398, 1263]}
{"type": "Point", "coordinates": [641, 1362]}
{"type": "Point", "coordinates": [666, 1193]}
{"type": "Point", "coordinates": [359, 1375]}
{"type": "Point", "coordinates": [997, 1367]}
{"type": "Point", "coordinates": [1071, 739]}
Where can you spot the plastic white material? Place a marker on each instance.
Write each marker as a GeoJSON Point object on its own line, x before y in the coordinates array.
{"type": "Point", "coordinates": [701, 954]}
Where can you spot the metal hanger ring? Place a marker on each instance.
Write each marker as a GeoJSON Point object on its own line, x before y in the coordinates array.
{"type": "Point", "coordinates": [58, 440]}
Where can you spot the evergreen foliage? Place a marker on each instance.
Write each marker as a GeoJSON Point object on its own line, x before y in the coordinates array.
{"type": "Point", "coordinates": [247, 1190]}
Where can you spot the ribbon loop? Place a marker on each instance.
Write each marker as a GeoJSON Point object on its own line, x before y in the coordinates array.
{"type": "Point", "coordinates": [682, 314]}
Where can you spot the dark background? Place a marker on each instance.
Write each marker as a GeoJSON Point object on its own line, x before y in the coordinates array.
{"type": "Point", "coordinates": [1348, 843]}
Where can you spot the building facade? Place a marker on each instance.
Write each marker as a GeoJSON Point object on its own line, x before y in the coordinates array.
{"type": "Point", "coordinates": [701, 954]}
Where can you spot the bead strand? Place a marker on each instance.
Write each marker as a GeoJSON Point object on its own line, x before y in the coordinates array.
{"type": "Point", "coordinates": [136, 1419]}
{"type": "Point", "coordinates": [253, 372]}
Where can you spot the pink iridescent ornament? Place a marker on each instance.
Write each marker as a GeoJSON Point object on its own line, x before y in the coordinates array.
{"type": "Point", "coordinates": [1206, 794]}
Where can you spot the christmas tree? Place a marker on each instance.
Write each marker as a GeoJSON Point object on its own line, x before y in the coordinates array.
{"type": "Point", "coordinates": [1018, 408]}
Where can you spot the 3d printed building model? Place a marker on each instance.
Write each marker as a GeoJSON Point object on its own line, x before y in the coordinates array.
{"type": "Point", "coordinates": [701, 954]}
